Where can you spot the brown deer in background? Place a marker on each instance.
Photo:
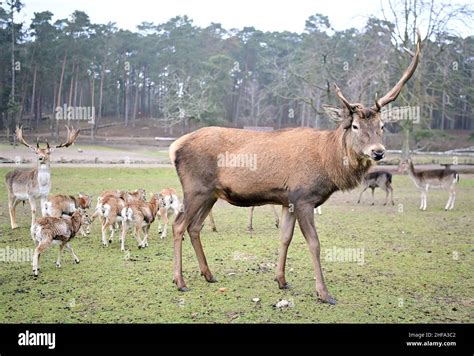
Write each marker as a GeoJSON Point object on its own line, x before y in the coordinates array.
{"type": "Point", "coordinates": [298, 168]}
{"type": "Point", "coordinates": [378, 179]}
{"type": "Point", "coordinates": [35, 183]}
{"type": "Point", "coordinates": [433, 178]}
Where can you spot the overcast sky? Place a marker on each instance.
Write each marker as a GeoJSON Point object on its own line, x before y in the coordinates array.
{"type": "Point", "coordinates": [265, 15]}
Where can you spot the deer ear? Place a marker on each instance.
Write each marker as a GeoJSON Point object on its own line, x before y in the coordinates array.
{"type": "Point", "coordinates": [338, 115]}
{"type": "Point", "coordinates": [334, 113]}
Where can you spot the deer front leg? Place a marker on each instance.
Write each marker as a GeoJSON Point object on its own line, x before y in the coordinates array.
{"type": "Point", "coordinates": [145, 229]}
{"type": "Point", "coordinates": [122, 237]}
{"type": "Point", "coordinates": [249, 225]}
{"type": "Point", "coordinates": [453, 198]}
{"type": "Point", "coordinates": [212, 222]}
{"type": "Point", "coordinates": [305, 218]}
{"type": "Point", "coordinates": [277, 217]}
{"type": "Point", "coordinates": [373, 196]}
{"type": "Point", "coordinates": [33, 209]}
{"type": "Point", "coordinates": [136, 233]}
{"type": "Point", "coordinates": [287, 228]}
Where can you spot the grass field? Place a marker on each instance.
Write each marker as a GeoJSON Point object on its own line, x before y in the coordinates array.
{"type": "Point", "coordinates": [416, 266]}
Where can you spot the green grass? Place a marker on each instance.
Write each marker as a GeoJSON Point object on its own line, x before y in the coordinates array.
{"type": "Point", "coordinates": [418, 266]}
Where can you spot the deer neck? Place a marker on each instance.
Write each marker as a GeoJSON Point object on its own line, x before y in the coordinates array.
{"type": "Point", "coordinates": [44, 178]}
{"type": "Point", "coordinates": [75, 223]}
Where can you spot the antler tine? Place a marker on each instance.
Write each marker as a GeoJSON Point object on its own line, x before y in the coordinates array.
{"type": "Point", "coordinates": [72, 134]}
{"type": "Point", "coordinates": [393, 93]}
{"type": "Point", "coordinates": [19, 137]}
{"type": "Point", "coordinates": [343, 99]}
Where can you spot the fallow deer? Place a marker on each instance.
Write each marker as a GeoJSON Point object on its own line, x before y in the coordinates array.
{"type": "Point", "coordinates": [51, 230]}
{"type": "Point", "coordinates": [58, 205]}
{"type": "Point", "coordinates": [169, 205]}
{"type": "Point", "coordinates": [140, 215]}
{"type": "Point", "coordinates": [378, 179]}
{"type": "Point", "coordinates": [298, 168]}
{"type": "Point", "coordinates": [433, 178]}
{"type": "Point", "coordinates": [31, 184]}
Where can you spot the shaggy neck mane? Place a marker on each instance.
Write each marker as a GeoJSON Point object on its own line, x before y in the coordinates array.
{"type": "Point", "coordinates": [76, 222]}
{"type": "Point", "coordinates": [344, 167]}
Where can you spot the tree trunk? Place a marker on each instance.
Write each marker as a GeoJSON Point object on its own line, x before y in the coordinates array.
{"type": "Point", "coordinates": [58, 103]}
{"type": "Point", "coordinates": [33, 94]}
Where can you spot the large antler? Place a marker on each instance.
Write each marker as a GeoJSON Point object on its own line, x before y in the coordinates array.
{"type": "Point", "coordinates": [346, 102]}
{"type": "Point", "coordinates": [19, 137]}
{"type": "Point", "coordinates": [393, 93]}
{"type": "Point", "coordinates": [71, 137]}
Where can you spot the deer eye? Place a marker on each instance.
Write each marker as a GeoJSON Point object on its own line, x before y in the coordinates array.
{"type": "Point", "coordinates": [382, 127]}
{"type": "Point", "coordinates": [355, 127]}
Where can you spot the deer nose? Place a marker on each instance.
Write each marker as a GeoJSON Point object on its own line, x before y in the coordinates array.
{"type": "Point", "coordinates": [378, 154]}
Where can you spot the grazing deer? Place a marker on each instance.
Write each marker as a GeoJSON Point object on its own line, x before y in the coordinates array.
{"type": "Point", "coordinates": [378, 179]}
{"type": "Point", "coordinates": [140, 215]}
{"type": "Point", "coordinates": [433, 178]}
{"type": "Point", "coordinates": [31, 184]}
{"type": "Point", "coordinates": [48, 230]}
{"type": "Point", "coordinates": [298, 168]}
{"type": "Point", "coordinates": [58, 205]}
{"type": "Point", "coordinates": [169, 205]}
{"type": "Point", "coordinates": [109, 209]}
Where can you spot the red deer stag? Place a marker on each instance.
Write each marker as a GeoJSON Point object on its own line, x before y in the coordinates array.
{"type": "Point", "coordinates": [378, 179]}
{"type": "Point", "coordinates": [433, 178]}
{"type": "Point", "coordinates": [33, 183]}
{"type": "Point", "coordinates": [298, 168]}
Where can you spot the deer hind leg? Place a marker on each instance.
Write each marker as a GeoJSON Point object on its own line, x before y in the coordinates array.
{"type": "Point", "coordinates": [390, 188]}
{"type": "Point", "coordinates": [287, 227]}
{"type": "Point", "coordinates": [136, 233]}
{"type": "Point", "coordinates": [69, 248]}
{"type": "Point", "coordinates": [145, 229]}
{"type": "Point", "coordinates": [386, 190]}
{"type": "Point", "coordinates": [123, 235]}
{"type": "Point", "coordinates": [305, 218]}
{"type": "Point", "coordinates": [60, 252]}
{"type": "Point", "coordinates": [165, 223]}
{"type": "Point", "coordinates": [40, 248]}
{"type": "Point", "coordinates": [12, 203]}
{"type": "Point", "coordinates": [250, 225]}
{"type": "Point", "coordinates": [452, 198]}
{"type": "Point", "coordinates": [194, 231]}
{"type": "Point", "coordinates": [373, 195]}
{"type": "Point", "coordinates": [277, 217]}
{"type": "Point", "coordinates": [104, 227]}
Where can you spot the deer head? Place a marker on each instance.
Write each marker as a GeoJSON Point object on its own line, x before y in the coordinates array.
{"type": "Point", "coordinates": [44, 153]}
{"type": "Point", "coordinates": [363, 126]}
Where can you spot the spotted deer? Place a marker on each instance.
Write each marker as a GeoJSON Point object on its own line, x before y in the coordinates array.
{"type": "Point", "coordinates": [32, 184]}
{"type": "Point", "coordinates": [445, 179]}
{"type": "Point", "coordinates": [169, 205]}
{"type": "Point", "coordinates": [53, 230]}
{"type": "Point", "coordinates": [58, 205]}
{"type": "Point", "coordinates": [378, 179]}
{"type": "Point", "coordinates": [139, 215]}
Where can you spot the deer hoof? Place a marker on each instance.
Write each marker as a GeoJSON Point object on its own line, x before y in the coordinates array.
{"type": "Point", "coordinates": [214, 229]}
{"type": "Point", "coordinates": [183, 289]}
{"type": "Point", "coordinates": [285, 286]}
{"type": "Point", "coordinates": [110, 241]}
{"type": "Point", "coordinates": [58, 265]}
{"type": "Point", "coordinates": [77, 262]}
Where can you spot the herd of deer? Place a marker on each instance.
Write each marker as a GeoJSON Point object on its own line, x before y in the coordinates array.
{"type": "Point", "coordinates": [298, 169]}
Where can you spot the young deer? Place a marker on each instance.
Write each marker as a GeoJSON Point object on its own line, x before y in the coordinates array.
{"type": "Point", "coordinates": [433, 178]}
{"type": "Point", "coordinates": [109, 209]}
{"type": "Point", "coordinates": [58, 205]}
{"type": "Point", "coordinates": [31, 184]}
{"type": "Point", "coordinates": [169, 205]}
{"type": "Point", "coordinates": [140, 215]}
{"type": "Point", "coordinates": [51, 230]}
{"type": "Point", "coordinates": [378, 179]}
